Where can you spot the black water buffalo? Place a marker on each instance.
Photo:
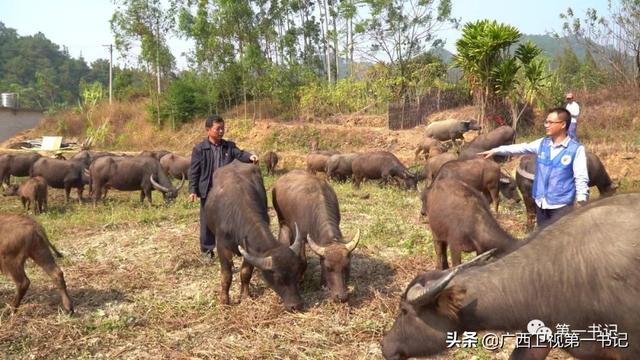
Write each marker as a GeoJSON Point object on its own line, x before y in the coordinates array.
{"type": "Point", "coordinates": [381, 165]}
{"type": "Point", "coordinates": [31, 191]}
{"type": "Point", "coordinates": [176, 166]}
{"type": "Point", "coordinates": [460, 219]}
{"type": "Point", "coordinates": [502, 135]}
{"type": "Point", "coordinates": [450, 129]}
{"type": "Point", "coordinates": [525, 173]}
{"type": "Point", "coordinates": [130, 174]}
{"type": "Point", "coordinates": [317, 161]}
{"type": "Point", "coordinates": [236, 212]}
{"type": "Point", "coordinates": [86, 157]}
{"type": "Point", "coordinates": [156, 154]}
{"type": "Point", "coordinates": [303, 199]}
{"type": "Point", "coordinates": [16, 165]}
{"type": "Point", "coordinates": [430, 147]}
{"type": "Point", "coordinates": [271, 161]}
{"type": "Point", "coordinates": [434, 164]}
{"type": "Point", "coordinates": [339, 166]}
{"type": "Point", "coordinates": [22, 237]}
{"type": "Point", "coordinates": [579, 271]}
{"type": "Point", "coordinates": [61, 174]}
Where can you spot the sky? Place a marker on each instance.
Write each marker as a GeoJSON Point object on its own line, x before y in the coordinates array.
{"type": "Point", "coordinates": [83, 25]}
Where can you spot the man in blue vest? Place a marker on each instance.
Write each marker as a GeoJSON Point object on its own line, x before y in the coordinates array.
{"type": "Point", "coordinates": [561, 177]}
{"type": "Point", "coordinates": [206, 157]}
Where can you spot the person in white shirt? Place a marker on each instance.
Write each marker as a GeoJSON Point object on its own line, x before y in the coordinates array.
{"type": "Point", "coordinates": [574, 109]}
{"type": "Point", "coordinates": [561, 176]}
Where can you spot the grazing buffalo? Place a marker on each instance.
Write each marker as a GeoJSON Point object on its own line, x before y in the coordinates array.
{"type": "Point", "coordinates": [450, 129]}
{"type": "Point", "coordinates": [430, 147]}
{"type": "Point", "coordinates": [303, 199]}
{"type": "Point", "coordinates": [460, 219]}
{"type": "Point", "coordinates": [86, 157]}
{"type": "Point", "coordinates": [176, 166]}
{"type": "Point", "coordinates": [339, 166]}
{"type": "Point", "coordinates": [525, 171]}
{"type": "Point", "coordinates": [502, 135]}
{"type": "Point", "coordinates": [156, 154]}
{"type": "Point", "coordinates": [131, 174]}
{"type": "Point", "coordinates": [317, 161]}
{"type": "Point", "coordinates": [61, 174]}
{"type": "Point", "coordinates": [236, 212]}
{"type": "Point", "coordinates": [381, 165]}
{"type": "Point", "coordinates": [22, 238]}
{"type": "Point", "coordinates": [581, 271]}
{"type": "Point", "coordinates": [482, 175]}
{"type": "Point", "coordinates": [16, 165]}
{"type": "Point", "coordinates": [271, 160]}
{"type": "Point", "coordinates": [31, 191]}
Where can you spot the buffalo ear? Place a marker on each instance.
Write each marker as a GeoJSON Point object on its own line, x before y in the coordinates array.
{"type": "Point", "coordinates": [449, 301]}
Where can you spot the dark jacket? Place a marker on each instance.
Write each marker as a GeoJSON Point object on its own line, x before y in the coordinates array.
{"type": "Point", "coordinates": [207, 158]}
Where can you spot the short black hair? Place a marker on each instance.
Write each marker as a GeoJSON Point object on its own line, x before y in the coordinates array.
{"type": "Point", "coordinates": [213, 119]}
{"type": "Point", "coordinates": [563, 114]}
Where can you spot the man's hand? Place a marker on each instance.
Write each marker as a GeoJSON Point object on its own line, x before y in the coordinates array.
{"type": "Point", "coordinates": [193, 197]}
{"type": "Point", "coordinates": [487, 154]}
{"type": "Point", "coordinates": [580, 204]}
{"type": "Point", "coordinates": [254, 159]}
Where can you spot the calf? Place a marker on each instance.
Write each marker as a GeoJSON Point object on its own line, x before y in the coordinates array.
{"type": "Point", "coordinates": [339, 166]}
{"type": "Point", "coordinates": [430, 147]}
{"type": "Point", "coordinates": [21, 238]}
{"type": "Point", "coordinates": [434, 164]}
{"type": "Point", "coordinates": [271, 160]}
{"type": "Point", "coordinates": [32, 191]}
{"type": "Point", "coordinates": [317, 161]}
{"type": "Point", "coordinates": [303, 199]}
{"type": "Point", "coordinates": [460, 219]}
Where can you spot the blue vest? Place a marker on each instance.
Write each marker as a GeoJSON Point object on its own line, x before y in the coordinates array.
{"type": "Point", "coordinates": [554, 179]}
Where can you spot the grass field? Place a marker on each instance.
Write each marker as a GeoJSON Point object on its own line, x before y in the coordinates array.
{"type": "Point", "coordinates": [141, 291]}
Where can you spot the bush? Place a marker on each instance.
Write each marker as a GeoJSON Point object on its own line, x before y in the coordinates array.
{"type": "Point", "coordinates": [185, 98]}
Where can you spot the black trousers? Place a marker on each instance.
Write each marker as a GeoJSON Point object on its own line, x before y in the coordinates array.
{"type": "Point", "coordinates": [546, 216]}
{"type": "Point", "coordinates": [207, 238]}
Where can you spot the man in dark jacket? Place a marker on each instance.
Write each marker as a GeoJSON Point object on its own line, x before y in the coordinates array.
{"type": "Point", "coordinates": [207, 156]}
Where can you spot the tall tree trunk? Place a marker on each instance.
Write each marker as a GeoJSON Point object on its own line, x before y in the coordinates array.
{"type": "Point", "coordinates": [334, 15]}
{"type": "Point", "coordinates": [324, 28]}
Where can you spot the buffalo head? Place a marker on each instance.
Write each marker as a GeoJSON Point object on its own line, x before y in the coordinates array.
{"type": "Point", "coordinates": [335, 260]}
{"type": "Point", "coordinates": [10, 190]}
{"type": "Point", "coordinates": [169, 193]}
{"type": "Point", "coordinates": [282, 270]}
{"type": "Point", "coordinates": [508, 188]}
{"type": "Point", "coordinates": [428, 310]}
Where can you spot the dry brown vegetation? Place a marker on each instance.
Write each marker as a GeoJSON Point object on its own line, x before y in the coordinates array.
{"type": "Point", "coordinates": [141, 291]}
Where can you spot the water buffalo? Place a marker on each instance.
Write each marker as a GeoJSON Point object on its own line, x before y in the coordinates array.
{"type": "Point", "coordinates": [525, 171]}
{"type": "Point", "coordinates": [502, 135]}
{"type": "Point", "coordinates": [22, 238]}
{"type": "Point", "coordinates": [430, 147]}
{"type": "Point", "coordinates": [86, 157]}
{"type": "Point", "coordinates": [434, 164]}
{"type": "Point", "coordinates": [176, 166]}
{"type": "Point", "coordinates": [303, 199]}
{"type": "Point", "coordinates": [16, 165]}
{"type": "Point", "coordinates": [130, 174]}
{"type": "Point", "coordinates": [236, 212]}
{"type": "Point", "coordinates": [339, 166]}
{"type": "Point", "coordinates": [381, 165]}
{"type": "Point", "coordinates": [450, 129]}
{"type": "Point", "coordinates": [156, 154]}
{"type": "Point", "coordinates": [61, 174]}
{"type": "Point", "coordinates": [271, 160]}
{"type": "Point", "coordinates": [579, 271]}
{"type": "Point", "coordinates": [460, 219]}
{"type": "Point", "coordinates": [317, 161]}
{"type": "Point", "coordinates": [31, 191]}
{"type": "Point", "coordinates": [482, 175]}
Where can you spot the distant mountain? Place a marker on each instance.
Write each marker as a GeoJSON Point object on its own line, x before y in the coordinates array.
{"type": "Point", "coordinates": [554, 47]}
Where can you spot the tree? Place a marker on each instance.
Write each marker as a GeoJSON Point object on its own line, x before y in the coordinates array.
{"type": "Point", "coordinates": [569, 68]}
{"type": "Point", "coordinates": [483, 47]}
{"type": "Point", "coordinates": [615, 38]}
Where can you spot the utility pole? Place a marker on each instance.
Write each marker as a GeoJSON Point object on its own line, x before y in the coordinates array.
{"type": "Point", "coordinates": [110, 46]}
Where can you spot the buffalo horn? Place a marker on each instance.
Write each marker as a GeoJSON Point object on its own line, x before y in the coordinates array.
{"type": "Point", "coordinates": [262, 263]}
{"type": "Point", "coordinates": [158, 186]}
{"type": "Point", "coordinates": [351, 245]}
{"type": "Point", "coordinates": [419, 293]}
{"type": "Point", "coordinates": [525, 174]}
{"type": "Point", "coordinates": [181, 184]}
{"type": "Point", "coordinates": [297, 243]}
{"type": "Point", "coordinates": [318, 249]}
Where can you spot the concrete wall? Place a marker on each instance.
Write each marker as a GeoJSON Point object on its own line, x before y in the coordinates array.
{"type": "Point", "coordinates": [14, 121]}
